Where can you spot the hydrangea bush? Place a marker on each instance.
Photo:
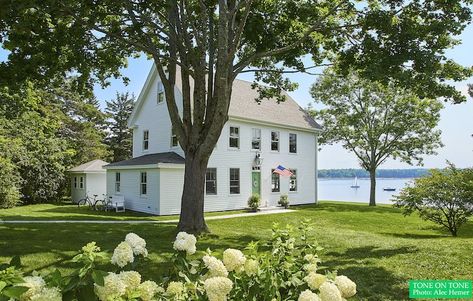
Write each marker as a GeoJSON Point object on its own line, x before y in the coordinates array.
{"type": "Point", "coordinates": [287, 269]}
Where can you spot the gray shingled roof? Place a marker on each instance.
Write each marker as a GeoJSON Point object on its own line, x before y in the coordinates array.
{"type": "Point", "coordinates": [92, 166]}
{"type": "Point", "coordinates": [289, 113]}
{"type": "Point", "coordinates": [169, 157]}
{"type": "Point", "coordinates": [244, 106]}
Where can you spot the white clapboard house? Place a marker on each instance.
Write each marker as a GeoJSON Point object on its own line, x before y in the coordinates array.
{"type": "Point", "coordinates": [256, 139]}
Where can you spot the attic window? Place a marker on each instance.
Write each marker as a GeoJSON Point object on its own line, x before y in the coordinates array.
{"type": "Point", "coordinates": [161, 96]}
{"type": "Point", "coordinates": [145, 140]}
{"type": "Point", "coordinates": [174, 139]}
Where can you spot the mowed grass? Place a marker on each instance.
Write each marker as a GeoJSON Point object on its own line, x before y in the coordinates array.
{"type": "Point", "coordinates": [378, 248]}
{"type": "Point", "coordinates": [68, 211]}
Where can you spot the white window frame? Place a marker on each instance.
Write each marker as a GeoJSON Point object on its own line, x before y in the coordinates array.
{"type": "Point", "coordinates": [174, 136]}
{"type": "Point", "coordinates": [145, 140]}
{"type": "Point", "coordinates": [75, 182]}
{"type": "Point", "coordinates": [210, 169]}
{"type": "Point", "coordinates": [278, 186]}
{"type": "Point", "coordinates": [117, 181]}
{"type": "Point", "coordinates": [237, 180]}
{"type": "Point", "coordinates": [81, 182]}
{"type": "Point", "coordinates": [255, 137]}
{"type": "Point", "coordinates": [234, 136]}
{"type": "Point", "coordinates": [161, 97]}
{"type": "Point", "coordinates": [293, 179]}
{"type": "Point", "coordinates": [143, 183]}
{"type": "Point", "coordinates": [275, 141]}
{"type": "Point", "coordinates": [295, 146]}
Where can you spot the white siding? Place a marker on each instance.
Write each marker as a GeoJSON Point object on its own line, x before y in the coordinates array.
{"type": "Point", "coordinates": [172, 182]}
{"type": "Point", "coordinates": [96, 184]}
{"type": "Point", "coordinates": [154, 117]}
{"type": "Point", "coordinates": [130, 189]}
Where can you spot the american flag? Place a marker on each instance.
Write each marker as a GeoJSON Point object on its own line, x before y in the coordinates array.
{"type": "Point", "coordinates": [283, 171]}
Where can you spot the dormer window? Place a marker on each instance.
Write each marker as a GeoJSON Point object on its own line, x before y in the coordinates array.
{"type": "Point", "coordinates": [145, 140]}
{"type": "Point", "coordinates": [161, 95]}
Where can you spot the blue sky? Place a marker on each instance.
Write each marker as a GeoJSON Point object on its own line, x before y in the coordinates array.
{"type": "Point", "coordinates": [456, 120]}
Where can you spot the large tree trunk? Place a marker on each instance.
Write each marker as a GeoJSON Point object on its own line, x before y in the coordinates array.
{"type": "Point", "coordinates": [192, 203]}
{"type": "Point", "coordinates": [373, 187]}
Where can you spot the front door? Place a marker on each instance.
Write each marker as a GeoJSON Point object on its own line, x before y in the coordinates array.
{"type": "Point", "coordinates": [256, 182]}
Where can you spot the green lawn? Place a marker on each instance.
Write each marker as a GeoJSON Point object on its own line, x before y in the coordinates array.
{"type": "Point", "coordinates": [377, 247]}
{"type": "Point", "coordinates": [66, 211]}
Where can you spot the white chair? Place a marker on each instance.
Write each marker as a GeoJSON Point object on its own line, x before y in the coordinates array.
{"type": "Point", "coordinates": [118, 203]}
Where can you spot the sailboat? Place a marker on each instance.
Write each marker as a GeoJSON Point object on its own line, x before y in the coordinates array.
{"type": "Point", "coordinates": [355, 183]}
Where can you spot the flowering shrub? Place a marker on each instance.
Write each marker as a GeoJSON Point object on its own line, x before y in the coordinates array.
{"type": "Point", "coordinates": [288, 270]}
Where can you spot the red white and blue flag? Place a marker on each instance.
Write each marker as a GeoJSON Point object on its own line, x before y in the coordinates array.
{"type": "Point", "coordinates": [283, 171]}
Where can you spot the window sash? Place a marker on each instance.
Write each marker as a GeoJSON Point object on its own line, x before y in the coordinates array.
{"type": "Point", "coordinates": [293, 143]}
{"type": "Point", "coordinates": [145, 140]}
{"type": "Point", "coordinates": [117, 182]}
{"type": "Point", "coordinates": [275, 181]}
{"type": "Point", "coordinates": [75, 182]}
{"type": "Point", "coordinates": [161, 97]}
{"type": "Point", "coordinates": [143, 183]}
{"type": "Point", "coordinates": [293, 181]}
{"type": "Point", "coordinates": [81, 182]}
{"type": "Point", "coordinates": [174, 139]}
{"type": "Point", "coordinates": [275, 141]}
{"type": "Point", "coordinates": [256, 139]}
{"type": "Point", "coordinates": [234, 181]}
{"type": "Point", "coordinates": [211, 181]}
{"type": "Point", "coordinates": [234, 139]}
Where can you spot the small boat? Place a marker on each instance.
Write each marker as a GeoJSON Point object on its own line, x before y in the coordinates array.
{"type": "Point", "coordinates": [355, 184]}
{"type": "Point", "coordinates": [389, 189]}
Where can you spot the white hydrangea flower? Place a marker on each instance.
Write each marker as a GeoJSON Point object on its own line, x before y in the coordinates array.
{"type": "Point", "coordinates": [215, 266]}
{"type": "Point", "coordinates": [47, 294]}
{"type": "Point", "coordinates": [34, 284]}
{"type": "Point", "coordinates": [148, 290]}
{"type": "Point", "coordinates": [330, 292]}
{"type": "Point", "coordinates": [311, 258]}
{"type": "Point", "coordinates": [131, 279]}
{"type": "Point", "coordinates": [310, 267]}
{"type": "Point", "coordinates": [122, 255]}
{"type": "Point", "coordinates": [346, 286]}
{"type": "Point", "coordinates": [175, 288]}
{"type": "Point", "coordinates": [218, 288]}
{"type": "Point", "coordinates": [113, 288]}
{"type": "Point", "coordinates": [185, 242]}
{"type": "Point", "coordinates": [308, 295]}
{"type": "Point", "coordinates": [315, 280]}
{"type": "Point", "coordinates": [251, 267]}
{"type": "Point", "coordinates": [137, 243]}
{"type": "Point", "coordinates": [234, 260]}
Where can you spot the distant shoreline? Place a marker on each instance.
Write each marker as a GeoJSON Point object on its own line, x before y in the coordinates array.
{"type": "Point", "coordinates": [380, 173]}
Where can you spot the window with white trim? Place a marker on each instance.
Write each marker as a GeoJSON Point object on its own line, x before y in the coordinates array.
{"type": "Point", "coordinates": [174, 139]}
{"type": "Point", "coordinates": [211, 181]}
{"type": "Point", "coordinates": [275, 181]}
{"type": "Point", "coordinates": [161, 95]}
{"type": "Point", "coordinates": [275, 141]}
{"type": "Point", "coordinates": [117, 181]}
{"type": "Point", "coordinates": [293, 181]}
{"type": "Point", "coordinates": [75, 182]}
{"type": "Point", "coordinates": [256, 139]}
{"type": "Point", "coordinates": [234, 139]}
{"type": "Point", "coordinates": [81, 182]}
{"type": "Point", "coordinates": [145, 140]}
{"type": "Point", "coordinates": [293, 143]}
{"type": "Point", "coordinates": [234, 181]}
{"type": "Point", "coordinates": [143, 183]}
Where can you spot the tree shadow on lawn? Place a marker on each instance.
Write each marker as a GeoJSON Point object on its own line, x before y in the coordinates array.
{"type": "Point", "coordinates": [373, 282]}
{"type": "Point", "coordinates": [465, 231]}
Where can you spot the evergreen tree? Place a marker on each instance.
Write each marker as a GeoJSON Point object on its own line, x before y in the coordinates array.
{"type": "Point", "coordinates": [120, 137]}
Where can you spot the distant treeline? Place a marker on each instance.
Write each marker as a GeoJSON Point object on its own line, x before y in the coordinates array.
{"type": "Point", "coordinates": [380, 173]}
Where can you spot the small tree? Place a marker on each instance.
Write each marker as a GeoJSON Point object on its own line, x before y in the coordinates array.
{"type": "Point", "coordinates": [445, 197]}
{"type": "Point", "coordinates": [376, 122]}
{"type": "Point", "coordinates": [120, 138]}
